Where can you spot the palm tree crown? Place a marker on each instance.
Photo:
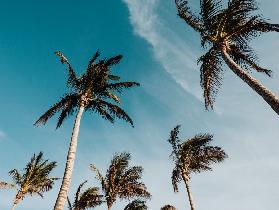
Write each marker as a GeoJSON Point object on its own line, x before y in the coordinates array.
{"type": "Point", "coordinates": [168, 207]}
{"type": "Point", "coordinates": [35, 178]}
{"type": "Point", "coordinates": [193, 155]}
{"type": "Point", "coordinates": [94, 90]}
{"type": "Point", "coordinates": [228, 30]}
{"type": "Point", "coordinates": [136, 205]}
{"type": "Point", "coordinates": [121, 181]}
{"type": "Point", "coordinates": [90, 198]}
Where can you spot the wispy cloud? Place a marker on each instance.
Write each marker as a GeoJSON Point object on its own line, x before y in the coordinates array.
{"type": "Point", "coordinates": [170, 50]}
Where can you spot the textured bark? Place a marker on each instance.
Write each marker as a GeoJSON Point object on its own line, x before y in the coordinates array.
{"type": "Point", "coordinates": [190, 197]}
{"type": "Point", "coordinates": [265, 93]}
{"type": "Point", "coordinates": [63, 192]}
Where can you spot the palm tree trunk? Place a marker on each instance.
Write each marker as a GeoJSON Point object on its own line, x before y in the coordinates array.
{"type": "Point", "coordinates": [190, 197]}
{"type": "Point", "coordinates": [265, 93]}
{"type": "Point", "coordinates": [13, 207]}
{"type": "Point", "coordinates": [63, 192]}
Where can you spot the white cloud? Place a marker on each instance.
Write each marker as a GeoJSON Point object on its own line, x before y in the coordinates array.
{"type": "Point", "coordinates": [170, 50]}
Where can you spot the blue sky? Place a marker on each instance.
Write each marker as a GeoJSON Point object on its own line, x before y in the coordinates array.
{"type": "Point", "coordinates": [160, 52]}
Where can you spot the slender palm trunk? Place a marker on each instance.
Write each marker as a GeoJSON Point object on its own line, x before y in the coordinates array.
{"type": "Point", "coordinates": [265, 93]}
{"type": "Point", "coordinates": [63, 192]}
{"type": "Point", "coordinates": [13, 207]}
{"type": "Point", "coordinates": [190, 197]}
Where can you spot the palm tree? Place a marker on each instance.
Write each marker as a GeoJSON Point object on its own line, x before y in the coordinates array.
{"type": "Point", "coordinates": [93, 91]}
{"type": "Point", "coordinates": [168, 207]}
{"type": "Point", "coordinates": [121, 181]}
{"type": "Point", "coordinates": [194, 155]}
{"type": "Point", "coordinates": [90, 198]}
{"type": "Point", "coordinates": [136, 205]}
{"type": "Point", "coordinates": [226, 34]}
{"type": "Point", "coordinates": [35, 178]}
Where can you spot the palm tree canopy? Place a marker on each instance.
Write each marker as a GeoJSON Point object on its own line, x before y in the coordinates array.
{"type": "Point", "coordinates": [35, 177]}
{"type": "Point", "coordinates": [96, 90]}
{"type": "Point", "coordinates": [232, 27]}
{"type": "Point", "coordinates": [193, 155]}
{"type": "Point", "coordinates": [121, 180]}
{"type": "Point", "coordinates": [90, 198]}
{"type": "Point", "coordinates": [136, 205]}
{"type": "Point", "coordinates": [168, 207]}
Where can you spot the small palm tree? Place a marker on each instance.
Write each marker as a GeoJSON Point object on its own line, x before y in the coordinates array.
{"type": "Point", "coordinates": [90, 198]}
{"type": "Point", "coordinates": [168, 207]}
{"type": "Point", "coordinates": [94, 91]}
{"type": "Point", "coordinates": [121, 181]}
{"type": "Point", "coordinates": [136, 205]}
{"type": "Point", "coordinates": [35, 178]}
{"type": "Point", "coordinates": [226, 34]}
{"type": "Point", "coordinates": [194, 155]}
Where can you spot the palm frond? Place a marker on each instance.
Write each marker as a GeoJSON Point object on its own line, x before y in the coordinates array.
{"type": "Point", "coordinates": [174, 141]}
{"type": "Point", "coordinates": [176, 177]}
{"type": "Point", "coordinates": [116, 111]}
{"type": "Point", "coordinates": [68, 109]}
{"type": "Point", "coordinates": [120, 86]}
{"type": "Point", "coordinates": [168, 207]}
{"type": "Point", "coordinates": [209, 10]}
{"type": "Point", "coordinates": [211, 76]}
{"type": "Point", "coordinates": [190, 18]}
{"type": "Point", "coordinates": [94, 59]}
{"type": "Point", "coordinates": [136, 205]}
{"type": "Point", "coordinates": [113, 60]}
{"type": "Point", "coordinates": [73, 80]}
{"type": "Point", "coordinates": [55, 108]}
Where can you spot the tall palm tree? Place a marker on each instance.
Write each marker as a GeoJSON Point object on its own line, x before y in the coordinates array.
{"type": "Point", "coordinates": [121, 181]}
{"type": "Point", "coordinates": [226, 34]}
{"type": "Point", "coordinates": [90, 198]}
{"type": "Point", "coordinates": [34, 179]}
{"type": "Point", "coordinates": [93, 91]}
{"type": "Point", "coordinates": [136, 205]}
{"type": "Point", "coordinates": [193, 155]}
{"type": "Point", "coordinates": [168, 207]}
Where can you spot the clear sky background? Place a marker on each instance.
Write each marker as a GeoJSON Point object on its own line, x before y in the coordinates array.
{"type": "Point", "coordinates": [160, 52]}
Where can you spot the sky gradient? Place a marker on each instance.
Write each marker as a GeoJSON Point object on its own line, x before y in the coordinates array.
{"type": "Point", "coordinates": [160, 52]}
